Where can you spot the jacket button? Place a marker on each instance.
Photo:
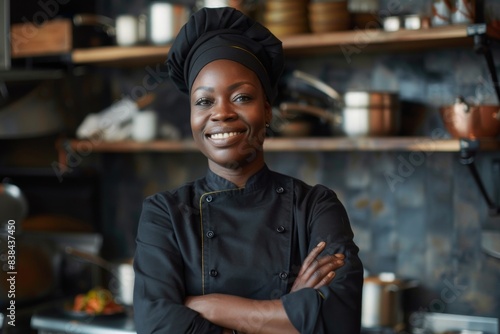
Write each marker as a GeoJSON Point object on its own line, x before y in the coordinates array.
{"type": "Point", "coordinates": [280, 190]}
{"type": "Point", "coordinates": [280, 229]}
{"type": "Point", "coordinates": [210, 234]}
{"type": "Point", "coordinates": [209, 198]}
{"type": "Point", "coordinates": [214, 273]}
{"type": "Point", "coordinates": [283, 275]}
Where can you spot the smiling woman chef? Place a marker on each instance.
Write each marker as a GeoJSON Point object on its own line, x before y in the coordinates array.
{"type": "Point", "coordinates": [244, 248]}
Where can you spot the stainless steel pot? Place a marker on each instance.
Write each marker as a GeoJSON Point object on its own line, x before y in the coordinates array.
{"type": "Point", "coordinates": [382, 302]}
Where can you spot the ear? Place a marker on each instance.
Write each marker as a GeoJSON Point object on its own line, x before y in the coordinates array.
{"type": "Point", "coordinates": [268, 112]}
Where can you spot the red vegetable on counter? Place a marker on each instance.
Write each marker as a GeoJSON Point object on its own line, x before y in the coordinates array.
{"type": "Point", "coordinates": [96, 301]}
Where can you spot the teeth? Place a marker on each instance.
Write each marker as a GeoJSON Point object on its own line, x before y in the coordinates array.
{"type": "Point", "coordinates": [223, 135]}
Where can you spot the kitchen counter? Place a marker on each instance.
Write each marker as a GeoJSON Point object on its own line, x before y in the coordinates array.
{"type": "Point", "coordinates": [56, 321]}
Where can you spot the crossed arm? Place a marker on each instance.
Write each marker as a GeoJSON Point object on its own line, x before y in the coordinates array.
{"type": "Point", "coordinates": [266, 316]}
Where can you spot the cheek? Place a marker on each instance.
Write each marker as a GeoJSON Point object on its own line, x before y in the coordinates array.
{"type": "Point", "coordinates": [195, 122]}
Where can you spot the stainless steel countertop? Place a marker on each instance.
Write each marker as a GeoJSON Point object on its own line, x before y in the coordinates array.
{"type": "Point", "coordinates": [56, 320]}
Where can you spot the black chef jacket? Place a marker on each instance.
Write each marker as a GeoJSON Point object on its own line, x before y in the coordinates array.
{"type": "Point", "coordinates": [209, 236]}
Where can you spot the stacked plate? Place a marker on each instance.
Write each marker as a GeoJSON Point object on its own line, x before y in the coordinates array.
{"type": "Point", "coordinates": [329, 15]}
{"type": "Point", "coordinates": [286, 17]}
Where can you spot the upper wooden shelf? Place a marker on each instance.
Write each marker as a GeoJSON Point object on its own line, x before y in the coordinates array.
{"type": "Point", "coordinates": [352, 41]}
{"type": "Point", "coordinates": [283, 144]}
{"type": "Point", "coordinates": [120, 55]}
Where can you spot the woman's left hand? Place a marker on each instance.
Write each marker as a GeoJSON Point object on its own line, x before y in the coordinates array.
{"type": "Point", "coordinates": [317, 272]}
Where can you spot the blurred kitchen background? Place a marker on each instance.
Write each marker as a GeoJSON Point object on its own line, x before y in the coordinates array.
{"type": "Point", "coordinates": [417, 214]}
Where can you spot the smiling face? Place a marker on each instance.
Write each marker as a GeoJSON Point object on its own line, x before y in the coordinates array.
{"type": "Point", "coordinates": [229, 112]}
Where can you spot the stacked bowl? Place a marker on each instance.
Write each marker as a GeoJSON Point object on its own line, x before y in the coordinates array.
{"type": "Point", "coordinates": [329, 15]}
{"type": "Point", "coordinates": [286, 17]}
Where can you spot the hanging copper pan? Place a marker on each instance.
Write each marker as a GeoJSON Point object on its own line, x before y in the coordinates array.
{"type": "Point", "coordinates": [471, 121]}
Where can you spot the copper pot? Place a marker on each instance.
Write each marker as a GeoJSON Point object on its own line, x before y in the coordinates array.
{"type": "Point", "coordinates": [471, 121]}
{"type": "Point", "coordinates": [352, 121]}
{"type": "Point", "coordinates": [356, 113]}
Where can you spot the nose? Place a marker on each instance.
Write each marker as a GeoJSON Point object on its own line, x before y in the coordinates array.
{"type": "Point", "coordinates": [223, 112]}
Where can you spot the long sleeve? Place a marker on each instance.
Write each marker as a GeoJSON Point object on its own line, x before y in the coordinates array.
{"type": "Point", "coordinates": [335, 308]}
{"type": "Point", "coordinates": [159, 289]}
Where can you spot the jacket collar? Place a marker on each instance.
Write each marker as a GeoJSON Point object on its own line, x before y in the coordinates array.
{"type": "Point", "coordinates": [256, 181]}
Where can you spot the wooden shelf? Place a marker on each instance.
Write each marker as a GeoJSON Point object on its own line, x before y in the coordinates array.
{"type": "Point", "coordinates": [357, 41]}
{"type": "Point", "coordinates": [421, 144]}
{"type": "Point", "coordinates": [72, 149]}
{"type": "Point", "coordinates": [354, 41]}
{"type": "Point", "coordinates": [117, 55]}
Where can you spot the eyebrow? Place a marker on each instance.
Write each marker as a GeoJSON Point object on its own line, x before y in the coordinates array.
{"type": "Point", "coordinates": [241, 83]}
{"type": "Point", "coordinates": [210, 89]}
{"type": "Point", "coordinates": [231, 87]}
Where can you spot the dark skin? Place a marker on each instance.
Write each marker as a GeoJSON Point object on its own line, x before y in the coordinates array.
{"type": "Point", "coordinates": [229, 112]}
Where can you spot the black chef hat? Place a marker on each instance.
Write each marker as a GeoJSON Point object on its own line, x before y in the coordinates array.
{"type": "Point", "coordinates": [225, 33]}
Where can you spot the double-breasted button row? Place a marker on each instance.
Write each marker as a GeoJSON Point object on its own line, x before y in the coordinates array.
{"type": "Point", "coordinates": [214, 273]}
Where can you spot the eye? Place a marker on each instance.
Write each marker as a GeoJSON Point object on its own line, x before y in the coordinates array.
{"type": "Point", "coordinates": [203, 102]}
{"type": "Point", "coordinates": [242, 98]}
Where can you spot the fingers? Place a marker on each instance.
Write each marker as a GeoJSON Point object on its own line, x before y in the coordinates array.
{"type": "Point", "coordinates": [326, 280]}
{"type": "Point", "coordinates": [318, 271]}
{"type": "Point", "coordinates": [312, 256]}
{"type": "Point", "coordinates": [339, 256]}
{"type": "Point", "coordinates": [320, 267]}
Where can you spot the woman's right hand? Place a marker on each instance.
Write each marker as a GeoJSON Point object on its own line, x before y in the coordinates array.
{"type": "Point", "coordinates": [317, 271]}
